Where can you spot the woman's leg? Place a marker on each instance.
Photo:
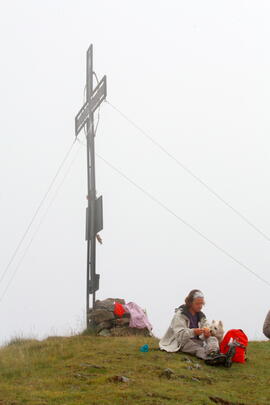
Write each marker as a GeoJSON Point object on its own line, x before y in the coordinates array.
{"type": "Point", "coordinates": [194, 347]}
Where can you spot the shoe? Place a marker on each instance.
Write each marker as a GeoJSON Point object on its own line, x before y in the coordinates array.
{"type": "Point", "coordinates": [216, 360]}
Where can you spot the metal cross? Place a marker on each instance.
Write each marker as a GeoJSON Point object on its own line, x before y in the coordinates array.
{"type": "Point", "coordinates": [94, 210]}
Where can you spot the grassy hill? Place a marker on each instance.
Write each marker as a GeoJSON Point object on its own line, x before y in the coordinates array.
{"type": "Point", "coordinates": [83, 370]}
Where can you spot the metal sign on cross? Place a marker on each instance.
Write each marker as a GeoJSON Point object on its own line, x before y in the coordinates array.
{"type": "Point", "coordinates": [94, 210]}
{"type": "Point", "coordinates": [98, 95]}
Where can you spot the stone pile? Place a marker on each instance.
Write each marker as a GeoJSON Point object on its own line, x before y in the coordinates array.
{"type": "Point", "coordinates": [106, 323]}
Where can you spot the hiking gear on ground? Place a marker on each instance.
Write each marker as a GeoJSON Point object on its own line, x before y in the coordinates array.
{"type": "Point", "coordinates": [234, 343]}
{"type": "Point", "coordinates": [218, 359]}
{"type": "Point", "coordinates": [119, 309]}
{"type": "Point", "coordinates": [138, 317]}
{"type": "Point", "coordinates": [231, 352]}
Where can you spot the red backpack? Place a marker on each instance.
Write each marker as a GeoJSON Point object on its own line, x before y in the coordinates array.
{"type": "Point", "coordinates": [238, 336]}
{"type": "Point", "coordinates": [119, 309]}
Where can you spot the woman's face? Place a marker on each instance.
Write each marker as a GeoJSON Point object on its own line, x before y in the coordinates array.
{"type": "Point", "coordinates": [197, 304]}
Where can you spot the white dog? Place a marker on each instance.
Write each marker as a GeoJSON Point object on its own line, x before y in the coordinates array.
{"type": "Point", "coordinates": [216, 334]}
{"type": "Point", "coordinates": [217, 330]}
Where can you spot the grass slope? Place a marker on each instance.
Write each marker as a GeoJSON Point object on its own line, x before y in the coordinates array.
{"type": "Point", "coordinates": [79, 370]}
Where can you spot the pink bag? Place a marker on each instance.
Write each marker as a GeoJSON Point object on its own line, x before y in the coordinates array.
{"type": "Point", "coordinates": [138, 318]}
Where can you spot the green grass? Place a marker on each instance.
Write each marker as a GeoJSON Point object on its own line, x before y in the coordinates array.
{"type": "Point", "coordinates": [78, 370]}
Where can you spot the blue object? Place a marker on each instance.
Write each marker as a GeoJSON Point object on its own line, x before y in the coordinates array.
{"type": "Point", "coordinates": [144, 348]}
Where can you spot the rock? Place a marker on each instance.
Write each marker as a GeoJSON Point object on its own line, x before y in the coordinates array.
{"type": "Point", "coordinates": [195, 378]}
{"type": "Point", "coordinates": [79, 375]}
{"type": "Point", "coordinates": [122, 321]}
{"type": "Point", "coordinates": [193, 366]}
{"type": "Point", "coordinates": [120, 300]}
{"type": "Point", "coordinates": [124, 379]}
{"type": "Point", "coordinates": [119, 378]}
{"type": "Point", "coordinates": [104, 332]}
{"type": "Point", "coordinates": [90, 365]}
{"type": "Point", "coordinates": [167, 372]}
{"type": "Point", "coordinates": [105, 304]}
{"type": "Point", "coordinates": [104, 322]}
{"type": "Point", "coordinates": [222, 401]}
{"type": "Point", "coordinates": [187, 360]}
{"type": "Point", "coordinates": [104, 325]}
{"type": "Point", "coordinates": [101, 315]}
{"type": "Point", "coordinates": [108, 304]}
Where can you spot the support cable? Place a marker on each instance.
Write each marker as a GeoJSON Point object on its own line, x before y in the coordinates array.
{"type": "Point", "coordinates": [183, 221]}
{"type": "Point", "coordinates": [190, 172]}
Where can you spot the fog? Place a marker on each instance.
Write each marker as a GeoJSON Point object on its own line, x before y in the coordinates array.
{"type": "Point", "coordinates": [195, 77]}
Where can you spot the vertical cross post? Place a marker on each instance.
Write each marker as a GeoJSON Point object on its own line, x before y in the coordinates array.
{"type": "Point", "coordinates": [94, 217]}
{"type": "Point", "coordinates": [91, 179]}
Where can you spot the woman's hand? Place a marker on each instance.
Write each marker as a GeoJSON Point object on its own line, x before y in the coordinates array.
{"type": "Point", "coordinates": [206, 332]}
{"type": "Point", "coordinates": [198, 331]}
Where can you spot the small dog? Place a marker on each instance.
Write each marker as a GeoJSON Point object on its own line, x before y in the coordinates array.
{"type": "Point", "coordinates": [216, 331]}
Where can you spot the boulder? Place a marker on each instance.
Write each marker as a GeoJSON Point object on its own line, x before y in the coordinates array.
{"type": "Point", "coordinates": [101, 315]}
{"type": "Point", "coordinates": [168, 373]}
{"type": "Point", "coordinates": [108, 304]}
{"type": "Point", "coordinates": [104, 322]}
{"type": "Point", "coordinates": [104, 325]}
{"type": "Point", "coordinates": [119, 378]}
{"type": "Point", "coordinates": [120, 300]}
{"type": "Point", "coordinates": [122, 321]}
{"type": "Point", "coordinates": [104, 332]}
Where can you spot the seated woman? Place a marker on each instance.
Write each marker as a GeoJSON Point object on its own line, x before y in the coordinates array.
{"type": "Point", "coordinates": [187, 326]}
{"type": "Point", "coordinates": [266, 326]}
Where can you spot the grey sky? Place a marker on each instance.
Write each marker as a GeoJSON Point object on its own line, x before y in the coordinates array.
{"type": "Point", "coordinates": [195, 76]}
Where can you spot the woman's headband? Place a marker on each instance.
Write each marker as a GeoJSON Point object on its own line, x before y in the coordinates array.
{"type": "Point", "coordinates": [198, 294]}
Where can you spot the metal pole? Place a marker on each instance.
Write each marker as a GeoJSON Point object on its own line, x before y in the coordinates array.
{"type": "Point", "coordinates": [93, 210]}
{"type": "Point", "coordinates": [90, 177]}
{"type": "Point", "coordinates": [94, 217]}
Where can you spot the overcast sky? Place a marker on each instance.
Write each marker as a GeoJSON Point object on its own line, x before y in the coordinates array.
{"type": "Point", "coordinates": [195, 76]}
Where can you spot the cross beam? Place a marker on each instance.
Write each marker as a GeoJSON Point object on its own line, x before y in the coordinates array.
{"type": "Point", "coordinates": [94, 211]}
